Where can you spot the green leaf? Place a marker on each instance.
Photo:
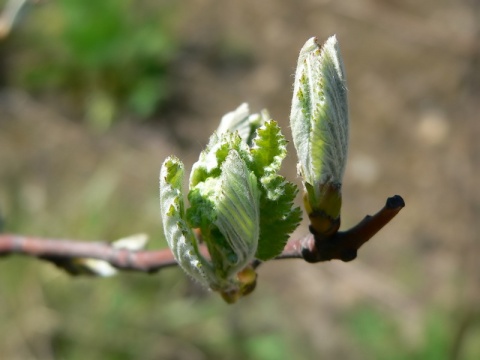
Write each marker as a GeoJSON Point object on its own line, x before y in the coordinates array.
{"type": "Point", "coordinates": [237, 208]}
{"type": "Point", "coordinates": [211, 159]}
{"type": "Point", "coordinates": [278, 216]}
{"type": "Point", "coordinates": [225, 206]}
{"type": "Point", "coordinates": [269, 149]}
{"type": "Point", "coordinates": [201, 213]}
{"type": "Point", "coordinates": [179, 235]}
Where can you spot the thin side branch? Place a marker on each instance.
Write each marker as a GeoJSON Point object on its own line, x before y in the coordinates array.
{"type": "Point", "coordinates": [343, 245]}
{"type": "Point", "coordinates": [63, 253]}
{"type": "Point", "coordinates": [69, 254]}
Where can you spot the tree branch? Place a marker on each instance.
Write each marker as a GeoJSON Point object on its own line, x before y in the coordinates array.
{"type": "Point", "coordinates": [64, 253]}
{"type": "Point", "coordinates": [342, 245]}
{"type": "Point", "coordinates": [73, 256]}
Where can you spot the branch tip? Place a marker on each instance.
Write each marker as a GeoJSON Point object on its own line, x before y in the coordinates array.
{"type": "Point", "coordinates": [313, 248]}
{"type": "Point", "coordinates": [395, 202]}
{"type": "Point", "coordinates": [344, 245]}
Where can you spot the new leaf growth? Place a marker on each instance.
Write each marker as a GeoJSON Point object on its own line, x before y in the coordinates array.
{"type": "Point", "coordinates": [239, 206]}
{"type": "Point", "coordinates": [319, 121]}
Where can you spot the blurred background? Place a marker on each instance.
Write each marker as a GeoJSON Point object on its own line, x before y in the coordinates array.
{"type": "Point", "coordinates": [94, 96]}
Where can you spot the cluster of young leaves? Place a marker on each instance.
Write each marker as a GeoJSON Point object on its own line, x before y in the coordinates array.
{"type": "Point", "coordinates": [263, 156]}
{"type": "Point", "coordinates": [243, 209]}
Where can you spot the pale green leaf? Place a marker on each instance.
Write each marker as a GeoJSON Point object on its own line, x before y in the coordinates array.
{"type": "Point", "coordinates": [269, 149]}
{"type": "Point", "coordinates": [279, 218]}
{"type": "Point", "coordinates": [238, 209]}
{"type": "Point", "coordinates": [179, 235]}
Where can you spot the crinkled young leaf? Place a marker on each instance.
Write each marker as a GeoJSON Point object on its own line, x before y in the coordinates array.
{"type": "Point", "coordinates": [179, 235]}
{"type": "Point", "coordinates": [226, 210]}
{"type": "Point", "coordinates": [279, 218]}
{"type": "Point", "coordinates": [211, 159]}
{"type": "Point", "coordinates": [319, 119]}
{"type": "Point", "coordinates": [205, 177]}
{"type": "Point", "coordinates": [240, 120]}
{"type": "Point", "coordinates": [237, 206]}
{"type": "Point", "coordinates": [269, 148]}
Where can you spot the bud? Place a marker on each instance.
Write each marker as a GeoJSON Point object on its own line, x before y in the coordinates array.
{"type": "Point", "coordinates": [179, 235]}
{"type": "Point", "coordinates": [224, 199]}
{"type": "Point", "coordinates": [319, 121]}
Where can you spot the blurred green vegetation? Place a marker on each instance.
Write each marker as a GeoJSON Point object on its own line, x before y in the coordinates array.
{"type": "Point", "coordinates": [377, 333]}
{"type": "Point", "coordinates": [103, 59]}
